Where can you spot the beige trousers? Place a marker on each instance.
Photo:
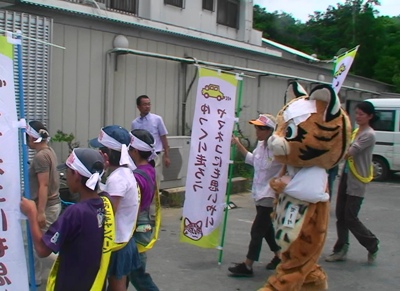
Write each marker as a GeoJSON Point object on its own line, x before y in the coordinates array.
{"type": "Point", "coordinates": [52, 213]}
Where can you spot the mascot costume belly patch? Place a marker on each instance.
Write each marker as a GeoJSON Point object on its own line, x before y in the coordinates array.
{"type": "Point", "coordinates": [312, 135]}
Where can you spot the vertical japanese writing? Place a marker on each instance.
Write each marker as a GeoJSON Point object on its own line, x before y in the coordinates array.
{"type": "Point", "coordinates": [201, 159]}
{"type": "Point", "coordinates": [13, 269]}
{"type": "Point", "coordinates": [207, 173]}
{"type": "Point", "coordinates": [4, 280]}
{"type": "Point", "coordinates": [211, 206]}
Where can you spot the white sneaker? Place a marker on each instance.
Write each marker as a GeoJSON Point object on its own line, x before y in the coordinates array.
{"type": "Point", "coordinates": [338, 256]}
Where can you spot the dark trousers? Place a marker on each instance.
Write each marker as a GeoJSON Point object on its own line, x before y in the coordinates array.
{"type": "Point", "coordinates": [141, 280]}
{"type": "Point", "coordinates": [332, 173]}
{"type": "Point", "coordinates": [262, 228]}
{"type": "Point", "coordinates": [347, 209]}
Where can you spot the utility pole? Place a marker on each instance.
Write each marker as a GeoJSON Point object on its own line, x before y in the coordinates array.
{"type": "Point", "coordinates": [354, 21]}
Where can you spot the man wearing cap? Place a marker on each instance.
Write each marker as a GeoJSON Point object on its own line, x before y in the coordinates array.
{"type": "Point", "coordinates": [113, 141]}
{"type": "Point", "coordinates": [155, 125]}
{"type": "Point", "coordinates": [79, 233]}
{"type": "Point", "coordinates": [265, 168]}
{"type": "Point", "coordinates": [44, 182]}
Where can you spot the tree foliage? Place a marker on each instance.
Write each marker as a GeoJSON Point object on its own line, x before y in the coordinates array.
{"type": "Point", "coordinates": [341, 27]}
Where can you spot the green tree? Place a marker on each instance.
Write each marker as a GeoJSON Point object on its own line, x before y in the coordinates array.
{"type": "Point", "coordinates": [342, 27]}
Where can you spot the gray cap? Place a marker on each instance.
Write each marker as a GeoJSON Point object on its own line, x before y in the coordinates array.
{"type": "Point", "coordinates": [88, 157]}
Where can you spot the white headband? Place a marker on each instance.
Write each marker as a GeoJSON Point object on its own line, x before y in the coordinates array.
{"type": "Point", "coordinates": [33, 133]}
{"type": "Point", "coordinates": [142, 146]}
{"type": "Point", "coordinates": [300, 110]}
{"type": "Point", "coordinates": [74, 163]}
{"type": "Point", "coordinates": [113, 144]}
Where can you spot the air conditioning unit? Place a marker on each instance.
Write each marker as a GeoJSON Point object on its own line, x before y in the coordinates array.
{"type": "Point", "coordinates": [175, 175]}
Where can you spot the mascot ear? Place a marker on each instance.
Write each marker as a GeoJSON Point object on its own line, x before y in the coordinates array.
{"type": "Point", "coordinates": [294, 90]}
{"type": "Point", "coordinates": [325, 93]}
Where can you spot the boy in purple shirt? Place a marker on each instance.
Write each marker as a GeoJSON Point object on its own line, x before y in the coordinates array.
{"type": "Point", "coordinates": [77, 235]}
{"type": "Point", "coordinates": [142, 150]}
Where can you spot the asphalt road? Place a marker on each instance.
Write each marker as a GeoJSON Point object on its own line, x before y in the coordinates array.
{"type": "Point", "coordinates": [177, 266]}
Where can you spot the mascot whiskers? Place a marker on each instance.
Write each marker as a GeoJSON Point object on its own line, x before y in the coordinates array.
{"type": "Point", "coordinates": [312, 135]}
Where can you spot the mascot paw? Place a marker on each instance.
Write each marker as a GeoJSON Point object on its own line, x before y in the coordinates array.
{"type": "Point", "coordinates": [277, 184]}
{"type": "Point", "coordinates": [315, 281]}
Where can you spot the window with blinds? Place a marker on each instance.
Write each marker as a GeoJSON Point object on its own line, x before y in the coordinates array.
{"type": "Point", "coordinates": [208, 5]}
{"type": "Point", "coordinates": [35, 63]}
{"type": "Point", "coordinates": [228, 13]}
{"type": "Point", "coordinates": [177, 3]}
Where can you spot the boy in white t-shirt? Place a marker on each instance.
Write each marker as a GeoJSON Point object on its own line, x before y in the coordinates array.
{"type": "Point", "coordinates": [121, 185]}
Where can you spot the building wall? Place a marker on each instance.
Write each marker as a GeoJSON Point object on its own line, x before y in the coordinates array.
{"type": "Point", "coordinates": [193, 16]}
{"type": "Point", "coordinates": [90, 88]}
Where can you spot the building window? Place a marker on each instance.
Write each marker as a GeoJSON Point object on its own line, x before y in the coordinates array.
{"type": "Point", "coordinates": [386, 120]}
{"type": "Point", "coordinates": [228, 12]}
{"type": "Point", "coordinates": [208, 5]}
{"type": "Point", "coordinates": [177, 3]}
{"type": "Point", "coordinates": [129, 6]}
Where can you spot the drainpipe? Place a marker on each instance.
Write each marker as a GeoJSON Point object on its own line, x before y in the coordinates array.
{"type": "Point", "coordinates": [182, 109]}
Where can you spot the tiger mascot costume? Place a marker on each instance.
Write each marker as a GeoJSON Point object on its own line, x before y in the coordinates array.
{"type": "Point", "coordinates": [312, 135]}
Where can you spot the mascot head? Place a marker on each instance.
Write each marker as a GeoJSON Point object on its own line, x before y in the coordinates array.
{"type": "Point", "coordinates": [311, 130]}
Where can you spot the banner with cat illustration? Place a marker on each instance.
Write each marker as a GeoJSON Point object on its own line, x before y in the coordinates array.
{"type": "Point", "coordinates": [13, 275]}
{"type": "Point", "coordinates": [209, 158]}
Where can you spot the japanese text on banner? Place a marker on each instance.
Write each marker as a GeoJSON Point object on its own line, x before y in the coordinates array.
{"type": "Point", "coordinates": [209, 158]}
{"type": "Point", "coordinates": [13, 270]}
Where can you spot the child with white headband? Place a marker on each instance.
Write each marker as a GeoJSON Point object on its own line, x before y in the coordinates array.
{"type": "Point", "coordinates": [142, 151]}
{"type": "Point", "coordinates": [44, 182]}
{"type": "Point", "coordinates": [78, 234]}
{"type": "Point", "coordinates": [113, 141]}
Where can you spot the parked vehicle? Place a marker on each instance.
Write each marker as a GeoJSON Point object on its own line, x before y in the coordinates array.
{"type": "Point", "coordinates": [386, 155]}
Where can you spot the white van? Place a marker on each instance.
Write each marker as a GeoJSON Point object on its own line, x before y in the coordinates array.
{"type": "Point", "coordinates": [386, 155]}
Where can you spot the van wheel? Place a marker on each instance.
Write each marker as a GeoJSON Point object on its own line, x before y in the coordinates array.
{"type": "Point", "coordinates": [381, 169]}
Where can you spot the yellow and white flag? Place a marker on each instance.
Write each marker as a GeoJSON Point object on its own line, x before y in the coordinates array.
{"type": "Point", "coordinates": [342, 67]}
{"type": "Point", "coordinates": [13, 267]}
{"type": "Point", "coordinates": [209, 158]}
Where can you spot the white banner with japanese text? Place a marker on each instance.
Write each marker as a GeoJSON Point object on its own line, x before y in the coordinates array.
{"type": "Point", "coordinates": [209, 157]}
{"type": "Point", "coordinates": [13, 269]}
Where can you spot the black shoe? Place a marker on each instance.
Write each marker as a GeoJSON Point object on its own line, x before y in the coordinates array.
{"type": "Point", "coordinates": [274, 262]}
{"type": "Point", "coordinates": [241, 270]}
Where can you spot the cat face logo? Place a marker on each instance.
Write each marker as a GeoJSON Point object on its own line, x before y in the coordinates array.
{"type": "Point", "coordinates": [193, 230]}
{"type": "Point", "coordinates": [212, 91]}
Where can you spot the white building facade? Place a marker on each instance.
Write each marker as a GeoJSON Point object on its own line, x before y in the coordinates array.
{"type": "Point", "coordinates": [118, 50]}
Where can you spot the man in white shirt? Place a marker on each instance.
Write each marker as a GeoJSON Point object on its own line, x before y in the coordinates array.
{"type": "Point", "coordinates": [155, 125]}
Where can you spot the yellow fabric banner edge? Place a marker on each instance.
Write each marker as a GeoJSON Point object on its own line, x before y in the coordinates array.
{"type": "Point", "coordinates": [203, 72]}
{"type": "Point", "coordinates": [6, 48]}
